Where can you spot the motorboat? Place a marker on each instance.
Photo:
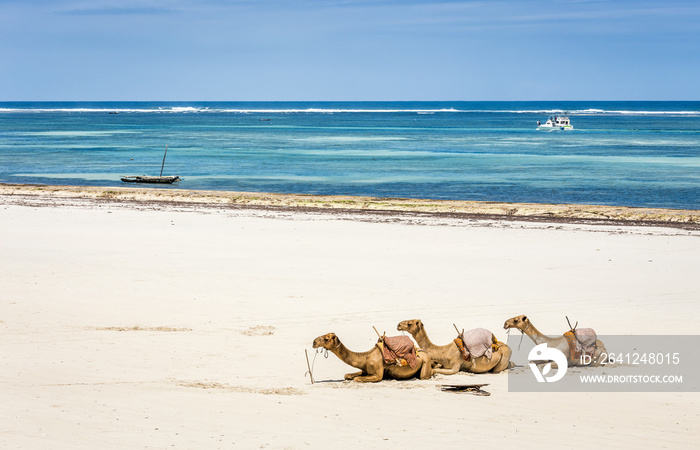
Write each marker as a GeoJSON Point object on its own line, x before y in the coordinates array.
{"type": "Point", "coordinates": [556, 123]}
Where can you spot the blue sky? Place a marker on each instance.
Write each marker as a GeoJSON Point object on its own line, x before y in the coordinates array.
{"type": "Point", "coordinates": [314, 50]}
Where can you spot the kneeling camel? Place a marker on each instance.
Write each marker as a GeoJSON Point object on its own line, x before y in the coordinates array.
{"type": "Point", "coordinates": [371, 363]}
{"type": "Point", "coordinates": [450, 356]}
{"type": "Point", "coordinates": [523, 324]}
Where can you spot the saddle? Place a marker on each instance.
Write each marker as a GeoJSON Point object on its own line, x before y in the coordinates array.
{"type": "Point", "coordinates": [476, 343]}
{"type": "Point", "coordinates": [398, 350]}
{"type": "Point", "coordinates": [582, 341]}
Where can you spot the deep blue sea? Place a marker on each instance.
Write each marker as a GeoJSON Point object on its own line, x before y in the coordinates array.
{"type": "Point", "coordinates": [619, 153]}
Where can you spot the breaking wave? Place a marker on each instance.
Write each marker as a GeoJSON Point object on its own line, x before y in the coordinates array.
{"type": "Point", "coordinates": [191, 109]}
{"type": "Point", "coordinates": [311, 110]}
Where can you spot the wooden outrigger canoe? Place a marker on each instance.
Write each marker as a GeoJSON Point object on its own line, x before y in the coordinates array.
{"type": "Point", "coordinates": [168, 179]}
{"type": "Point", "coordinates": [148, 179]}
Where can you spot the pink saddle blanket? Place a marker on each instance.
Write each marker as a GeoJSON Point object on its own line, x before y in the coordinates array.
{"type": "Point", "coordinates": [396, 348]}
{"type": "Point", "coordinates": [581, 342]}
{"type": "Point", "coordinates": [477, 343]}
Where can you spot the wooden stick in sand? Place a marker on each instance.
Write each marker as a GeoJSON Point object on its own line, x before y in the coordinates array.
{"type": "Point", "coordinates": [311, 375]}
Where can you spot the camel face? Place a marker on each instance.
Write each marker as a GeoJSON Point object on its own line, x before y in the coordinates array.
{"type": "Point", "coordinates": [520, 322]}
{"type": "Point", "coordinates": [327, 341]}
{"type": "Point", "coordinates": [412, 326]}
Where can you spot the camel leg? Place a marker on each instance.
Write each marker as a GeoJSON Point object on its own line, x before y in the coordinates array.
{"type": "Point", "coordinates": [352, 376]}
{"type": "Point", "coordinates": [504, 352]}
{"type": "Point", "coordinates": [448, 371]}
{"type": "Point", "coordinates": [374, 370]}
{"type": "Point", "coordinates": [426, 369]}
{"type": "Point", "coordinates": [370, 378]}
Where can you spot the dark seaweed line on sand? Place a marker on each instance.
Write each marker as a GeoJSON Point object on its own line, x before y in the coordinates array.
{"type": "Point", "coordinates": [46, 199]}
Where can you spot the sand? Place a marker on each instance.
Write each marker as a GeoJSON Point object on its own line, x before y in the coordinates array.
{"type": "Point", "coordinates": [180, 198]}
{"type": "Point", "coordinates": [139, 324]}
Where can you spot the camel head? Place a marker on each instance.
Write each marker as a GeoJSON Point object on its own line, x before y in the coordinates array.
{"type": "Point", "coordinates": [328, 341]}
{"type": "Point", "coordinates": [412, 326]}
{"type": "Point", "coordinates": [519, 322]}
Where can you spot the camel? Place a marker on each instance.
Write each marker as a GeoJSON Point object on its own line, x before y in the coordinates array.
{"type": "Point", "coordinates": [371, 363]}
{"type": "Point", "coordinates": [523, 324]}
{"type": "Point", "coordinates": [450, 356]}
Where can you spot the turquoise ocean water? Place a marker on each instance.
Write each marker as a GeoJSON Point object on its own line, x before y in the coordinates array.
{"type": "Point", "coordinates": [620, 153]}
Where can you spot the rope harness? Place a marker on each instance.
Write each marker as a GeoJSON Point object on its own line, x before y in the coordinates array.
{"type": "Point", "coordinates": [522, 333]}
{"type": "Point", "coordinates": [316, 353]}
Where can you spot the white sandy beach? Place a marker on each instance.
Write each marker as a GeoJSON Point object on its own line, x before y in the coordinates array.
{"type": "Point", "coordinates": [168, 328]}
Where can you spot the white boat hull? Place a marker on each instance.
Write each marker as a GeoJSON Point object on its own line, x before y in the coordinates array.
{"type": "Point", "coordinates": [553, 128]}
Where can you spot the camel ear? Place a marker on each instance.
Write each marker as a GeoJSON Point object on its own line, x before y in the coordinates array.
{"type": "Point", "coordinates": [419, 323]}
{"type": "Point", "coordinates": [524, 318]}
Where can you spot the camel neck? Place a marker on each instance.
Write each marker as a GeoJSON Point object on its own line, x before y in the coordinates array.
{"type": "Point", "coordinates": [349, 357]}
{"type": "Point", "coordinates": [537, 336]}
{"type": "Point", "coordinates": [423, 341]}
